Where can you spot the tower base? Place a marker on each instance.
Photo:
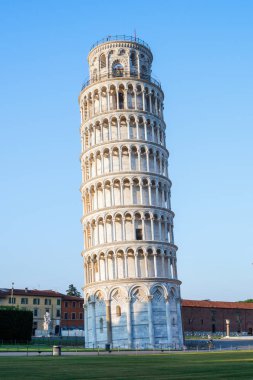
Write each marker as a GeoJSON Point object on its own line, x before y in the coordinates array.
{"type": "Point", "coordinates": [130, 315]}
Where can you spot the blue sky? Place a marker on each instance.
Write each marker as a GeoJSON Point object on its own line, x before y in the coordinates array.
{"type": "Point", "coordinates": [203, 55]}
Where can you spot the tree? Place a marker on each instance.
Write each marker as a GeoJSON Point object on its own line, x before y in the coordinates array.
{"type": "Point", "coordinates": [248, 300]}
{"type": "Point", "coordinates": [72, 291]}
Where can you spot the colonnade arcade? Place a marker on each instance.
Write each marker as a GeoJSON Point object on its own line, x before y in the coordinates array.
{"type": "Point", "coordinates": [128, 226]}
{"type": "Point", "coordinates": [112, 264]}
{"type": "Point", "coordinates": [128, 157]}
{"type": "Point", "coordinates": [123, 127]}
{"type": "Point", "coordinates": [118, 96]}
{"type": "Point", "coordinates": [126, 191]}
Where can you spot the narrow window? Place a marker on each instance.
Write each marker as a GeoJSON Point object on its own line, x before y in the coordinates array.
{"type": "Point", "coordinates": [138, 233]}
{"type": "Point", "coordinates": [101, 325]}
{"type": "Point", "coordinates": [118, 311]}
{"type": "Point", "coordinates": [102, 61]}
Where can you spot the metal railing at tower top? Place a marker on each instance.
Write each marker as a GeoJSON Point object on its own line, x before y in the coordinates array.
{"type": "Point", "coordinates": [121, 37]}
{"type": "Point", "coordinates": [124, 75]}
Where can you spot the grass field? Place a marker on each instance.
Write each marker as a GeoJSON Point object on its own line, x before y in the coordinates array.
{"type": "Point", "coordinates": [219, 365]}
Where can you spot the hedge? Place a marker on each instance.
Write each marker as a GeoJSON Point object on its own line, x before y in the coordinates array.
{"type": "Point", "coordinates": [15, 325]}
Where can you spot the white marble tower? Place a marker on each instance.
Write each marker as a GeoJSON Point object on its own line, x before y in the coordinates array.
{"type": "Point", "coordinates": [131, 289]}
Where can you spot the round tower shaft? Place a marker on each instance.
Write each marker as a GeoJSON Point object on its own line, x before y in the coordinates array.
{"type": "Point", "coordinates": [131, 289]}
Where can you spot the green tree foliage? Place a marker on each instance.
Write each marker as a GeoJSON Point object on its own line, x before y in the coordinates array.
{"type": "Point", "coordinates": [15, 325]}
{"type": "Point", "coordinates": [72, 291]}
{"type": "Point", "coordinates": [248, 300]}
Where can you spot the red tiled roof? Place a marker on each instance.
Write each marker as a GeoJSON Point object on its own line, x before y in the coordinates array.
{"type": "Point", "coordinates": [71, 298]}
{"type": "Point", "coordinates": [217, 304]}
{"type": "Point", "coordinates": [27, 292]}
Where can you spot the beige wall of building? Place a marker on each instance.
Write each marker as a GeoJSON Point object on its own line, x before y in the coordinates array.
{"type": "Point", "coordinates": [39, 302]}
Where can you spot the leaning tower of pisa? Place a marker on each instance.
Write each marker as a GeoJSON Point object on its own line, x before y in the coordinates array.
{"type": "Point", "coordinates": [131, 289]}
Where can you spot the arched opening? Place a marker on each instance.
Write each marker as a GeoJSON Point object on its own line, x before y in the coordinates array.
{"type": "Point", "coordinates": [102, 61]}
{"type": "Point", "coordinates": [117, 69]}
{"type": "Point", "coordinates": [133, 63]}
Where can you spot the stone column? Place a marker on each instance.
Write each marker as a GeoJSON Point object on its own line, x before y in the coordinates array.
{"type": "Point", "coordinates": [117, 98]}
{"type": "Point", "coordinates": [179, 322]}
{"type": "Point", "coordinates": [163, 267]}
{"type": "Point", "coordinates": [84, 274]}
{"type": "Point", "coordinates": [135, 100]}
{"type": "Point", "coordinates": [121, 194]}
{"type": "Point", "coordinates": [160, 229]}
{"type": "Point", "coordinates": [105, 238]}
{"type": "Point", "coordinates": [100, 101]}
{"type": "Point", "coordinates": [86, 324]}
{"type": "Point", "coordinates": [115, 266]}
{"type": "Point", "coordinates": [125, 99]}
{"type": "Point", "coordinates": [169, 269]}
{"type": "Point", "coordinates": [136, 264]}
{"type": "Point", "coordinates": [150, 322]}
{"type": "Point", "coordinates": [99, 269]}
{"type": "Point", "coordinates": [113, 230]}
{"type": "Point", "coordinates": [149, 194]}
{"type": "Point", "coordinates": [108, 321]}
{"type": "Point", "coordinates": [93, 270]}
{"type": "Point", "coordinates": [146, 263]}
{"type": "Point", "coordinates": [141, 195]}
{"type": "Point", "coordinates": [143, 101]}
{"type": "Point", "coordinates": [130, 159]}
{"type": "Point", "coordinates": [155, 264]}
{"type": "Point", "coordinates": [150, 102]}
{"type": "Point", "coordinates": [131, 192]}
{"type": "Point", "coordinates": [156, 195]}
{"type": "Point", "coordinates": [147, 155]}
{"type": "Point", "coordinates": [108, 100]}
{"type": "Point", "coordinates": [139, 159]}
{"type": "Point", "coordinates": [106, 268]}
{"type": "Point", "coordinates": [175, 268]}
{"type": "Point", "coordinates": [123, 228]}
{"type": "Point", "coordinates": [93, 319]}
{"type": "Point", "coordinates": [126, 264]}
{"type": "Point", "coordinates": [152, 229]}
{"type": "Point", "coordinates": [129, 322]}
{"type": "Point", "coordinates": [120, 160]}
{"type": "Point", "coordinates": [128, 129]}
{"type": "Point", "coordinates": [112, 194]}
{"type": "Point", "coordinates": [168, 319]}
{"type": "Point", "coordinates": [137, 131]}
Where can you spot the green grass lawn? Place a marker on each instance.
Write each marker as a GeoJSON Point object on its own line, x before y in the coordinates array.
{"type": "Point", "coordinates": [220, 365]}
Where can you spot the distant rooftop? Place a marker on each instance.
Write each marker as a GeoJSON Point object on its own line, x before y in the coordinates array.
{"type": "Point", "coordinates": [121, 37]}
{"type": "Point", "coordinates": [217, 304]}
{"type": "Point", "coordinates": [29, 292]}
